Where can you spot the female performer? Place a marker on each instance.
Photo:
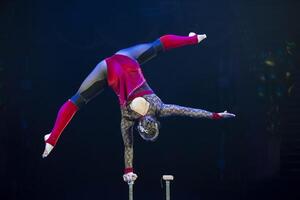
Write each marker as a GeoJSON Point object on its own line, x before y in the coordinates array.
{"type": "Point", "coordinates": [139, 105]}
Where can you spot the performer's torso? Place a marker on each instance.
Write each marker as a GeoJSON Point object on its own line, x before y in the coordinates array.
{"type": "Point", "coordinates": [125, 77]}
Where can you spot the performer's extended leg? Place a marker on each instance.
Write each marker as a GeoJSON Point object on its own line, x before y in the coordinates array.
{"type": "Point", "coordinates": [144, 52]}
{"type": "Point", "coordinates": [91, 87]}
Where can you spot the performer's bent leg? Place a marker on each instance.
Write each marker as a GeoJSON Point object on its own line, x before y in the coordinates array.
{"type": "Point", "coordinates": [175, 110]}
{"type": "Point", "coordinates": [144, 52]}
{"type": "Point", "coordinates": [91, 87]}
{"type": "Point", "coordinates": [64, 116]}
{"type": "Point", "coordinates": [175, 41]}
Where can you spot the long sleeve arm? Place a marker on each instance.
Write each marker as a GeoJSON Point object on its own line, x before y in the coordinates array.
{"type": "Point", "coordinates": [175, 110]}
{"type": "Point", "coordinates": [127, 134]}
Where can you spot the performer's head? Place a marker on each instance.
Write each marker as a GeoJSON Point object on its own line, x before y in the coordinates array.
{"type": "Point", "coordinates": [148, 128]}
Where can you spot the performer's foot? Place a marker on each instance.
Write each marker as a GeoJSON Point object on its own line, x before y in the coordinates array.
{"type": "Point", "coordinates": [191, 34]}
{"type": "Point", "coordinates": [48, 147]}
{"type": "Point", "coordinates": [200, 37]}
{"type": "Point", "coordinates": [46, 137]}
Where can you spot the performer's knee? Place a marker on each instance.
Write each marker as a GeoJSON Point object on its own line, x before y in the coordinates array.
{"type": "Point", "coordinates": [78, 100]}
{"type": "Point", "coordinates": [150, 53]}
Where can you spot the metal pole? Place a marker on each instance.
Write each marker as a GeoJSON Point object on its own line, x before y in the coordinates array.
{"type": "Point", "coordinates": [168, 178]}
{"type": "Point", "coordinates": [130, 185]}
{"type": "Point", "coordinates": [167, 190]}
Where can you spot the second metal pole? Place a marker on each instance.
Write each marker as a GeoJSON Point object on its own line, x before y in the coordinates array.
{"type": "Point", "coordinates": [168, 178]}
{"type": "Point", "coordinates": [167, 190]}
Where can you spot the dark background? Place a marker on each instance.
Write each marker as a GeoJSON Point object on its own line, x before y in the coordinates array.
{"type": "Point", "coordinates": [248, 65]}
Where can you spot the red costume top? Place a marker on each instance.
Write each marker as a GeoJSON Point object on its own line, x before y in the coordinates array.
{"type": "Point", "coordinates": [125, 76]}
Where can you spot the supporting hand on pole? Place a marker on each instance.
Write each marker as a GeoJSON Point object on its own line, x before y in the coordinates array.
{"type": "Point", "coordinates": [130, 177]}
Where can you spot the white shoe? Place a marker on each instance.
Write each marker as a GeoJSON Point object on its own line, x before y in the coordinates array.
{"type": "Point", "coordinates": [46, 137]}
{"type": "Point", "coordinates": [199, 37]}
{"type": "Point", "coordinates": [191, 34]}
{"type": "Point", "coordinates": [48, 147]}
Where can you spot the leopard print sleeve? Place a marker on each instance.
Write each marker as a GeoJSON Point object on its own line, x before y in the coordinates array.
{"type": "Point", "coordinates": [127, 135]}
{"type": "Point", "coordinates": [175, 110]}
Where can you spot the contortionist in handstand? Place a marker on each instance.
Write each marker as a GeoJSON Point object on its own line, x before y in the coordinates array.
{"type": "Point", "coordinates": [139, 105]}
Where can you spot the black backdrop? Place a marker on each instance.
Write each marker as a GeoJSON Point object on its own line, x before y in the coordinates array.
{"type": "Point", "coordinates": [47, 49]}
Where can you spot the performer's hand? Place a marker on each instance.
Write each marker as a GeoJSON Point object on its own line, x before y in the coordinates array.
{"type": "Point", "coordinates": [200, 37]}
{"type": "Point", "coordinates": [226, 114]}
{"type": "Point", "coordinates": [48, 147]}
{"type": "Point", "coordinates": [129, 177]}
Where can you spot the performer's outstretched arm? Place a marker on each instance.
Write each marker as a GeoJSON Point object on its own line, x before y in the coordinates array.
{"type": "Point", "coordinates": [127, 134]}
{"type": "Point", "coordinates": [91, 87]}
{"type": "Point", "coordinates": [144, 52]}
{"type": "Point", "coordinates": [175, 110]}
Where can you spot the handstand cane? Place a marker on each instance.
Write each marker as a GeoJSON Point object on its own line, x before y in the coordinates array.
{"type": "Point", "coordinates": [130, 187]}
{"type": "Point", "coordinates": [168, 178]}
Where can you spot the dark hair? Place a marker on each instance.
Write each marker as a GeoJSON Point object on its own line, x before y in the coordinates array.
{"type": "Point", "coordinates": [148, 128]}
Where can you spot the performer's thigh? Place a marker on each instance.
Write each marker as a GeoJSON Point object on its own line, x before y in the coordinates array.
{"type": "Point", "coordinates": [135, 51]}
{"type": "Point", "coordinates": [143, 52]}
{"type": "Point", "coordinates": [94, 84]}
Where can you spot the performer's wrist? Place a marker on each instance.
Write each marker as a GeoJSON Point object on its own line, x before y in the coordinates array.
{"type": "Point", "coordinates": [216, 116]}
{"type": "Point", "coordinates": [128, 170]}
